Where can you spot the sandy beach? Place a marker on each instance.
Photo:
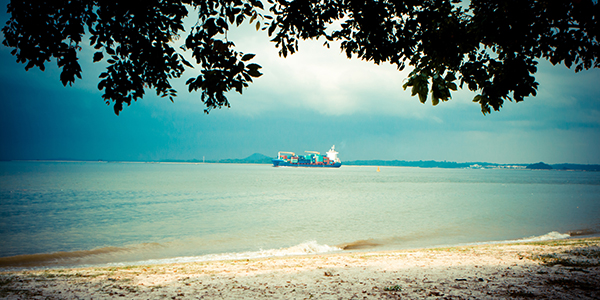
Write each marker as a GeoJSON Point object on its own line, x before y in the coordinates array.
{"type": "Point", "coordinates": [563, 269]}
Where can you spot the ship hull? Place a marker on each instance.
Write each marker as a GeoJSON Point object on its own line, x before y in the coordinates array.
{"type": "Point", "coordinates": [283, 163]}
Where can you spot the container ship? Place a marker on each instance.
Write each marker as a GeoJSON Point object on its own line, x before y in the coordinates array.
{"type": "Point", "coordinates": [312, 159]}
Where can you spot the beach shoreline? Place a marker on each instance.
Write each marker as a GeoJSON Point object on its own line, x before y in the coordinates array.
{"type": "Point", "coordinates": [558, 269]}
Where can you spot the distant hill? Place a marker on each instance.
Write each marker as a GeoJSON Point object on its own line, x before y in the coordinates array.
{"type": "Point", "coordinates": [539, 166]}
{"type": "Point", "coordinates": [255, 158]}
{"type": "Point", "coordinates": [564, 167]}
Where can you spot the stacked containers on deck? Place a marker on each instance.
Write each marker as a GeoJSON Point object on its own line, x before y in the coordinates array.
{"type": "Point", "coordinates": [319, 158]}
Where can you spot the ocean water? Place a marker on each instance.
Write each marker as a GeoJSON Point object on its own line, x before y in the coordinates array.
{"type": "Point", "coordinates": [96, 213]}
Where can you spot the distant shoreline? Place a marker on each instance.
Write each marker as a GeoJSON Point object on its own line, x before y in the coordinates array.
{"type": "Point", "coordinates": [362, 163]}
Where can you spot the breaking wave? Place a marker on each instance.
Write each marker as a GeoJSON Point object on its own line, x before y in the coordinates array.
{"type": "Point", "coordinates": [105, 256]}
{"type": "Point", "coordinates": [302, 249]}
{"type": "Point", "coordinates": [553, 235]}
{"type": "Point", "coordinates": [141, 254]}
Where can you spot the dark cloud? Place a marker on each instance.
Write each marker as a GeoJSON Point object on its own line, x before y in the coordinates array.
{"type": "Point", "coordinates": [309, 101]}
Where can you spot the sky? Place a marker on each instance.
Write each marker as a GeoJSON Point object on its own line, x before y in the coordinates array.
{"type": "Point", "coordinates": [311, 100]}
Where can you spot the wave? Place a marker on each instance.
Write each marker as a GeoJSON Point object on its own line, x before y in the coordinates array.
{"type": "Point", "coordinates": [32, 260]}
{"type": "Point", "coordinates": [141, 254]}
{"type": "Point", "coordinates": [307, 248]}
{"type": "Point", "coordinates": [553, 235]}
{"type": "Point", "coordinates": [409, 242]}
{"type": "Point", "coordinates": [110, 256]}
{"type": "Point", "coordinates": [360, 244]}
{"type": "Point", "coordinates": [70, 257]}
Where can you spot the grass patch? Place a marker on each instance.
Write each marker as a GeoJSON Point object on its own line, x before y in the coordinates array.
{"type": "Point", "coordinates": [566, 242]}
{"type": "Point", "coordinates": [590, 253]}
{"type": "Point", "coordinates": [579, 258]}
{"type": "Point", "coordinates": [551, 260]}
{"type": "Point", "coordinates": [393, 288]}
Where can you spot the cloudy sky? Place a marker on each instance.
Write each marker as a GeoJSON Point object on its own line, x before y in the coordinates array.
{"type": "Point", "coordinates": [309, 101]}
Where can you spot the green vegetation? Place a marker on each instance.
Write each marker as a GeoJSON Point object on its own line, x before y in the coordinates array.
{"type": "Point", "coordinates": [489, 47]}
{"type": "Point", "coordinates": [566, 242]}
{"type": "Point", "coordinates": [580, 258]}
{"type": "Point", "coordinates": [394, 288]}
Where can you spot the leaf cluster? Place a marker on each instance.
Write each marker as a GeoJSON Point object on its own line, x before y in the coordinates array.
{"type": "Point", "coordinates": [136, 40]}
{"type": "Point", "coordinates": [222, 68]}
{"type": "Point", "coordinates": [491, 47]}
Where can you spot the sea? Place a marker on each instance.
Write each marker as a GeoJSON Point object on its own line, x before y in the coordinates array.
{"type": "Point", "coordinates": [78, 214]}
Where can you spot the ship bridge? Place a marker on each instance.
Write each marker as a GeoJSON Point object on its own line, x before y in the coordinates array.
{"type": "Point", "coordinates": [332, 154]}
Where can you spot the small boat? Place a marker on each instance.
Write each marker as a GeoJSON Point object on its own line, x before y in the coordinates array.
{"type": "Point", "coordinates": [312, 159]}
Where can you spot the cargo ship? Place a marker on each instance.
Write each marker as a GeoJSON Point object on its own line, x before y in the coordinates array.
{"type": "Point", "coordinates": [312, 159]}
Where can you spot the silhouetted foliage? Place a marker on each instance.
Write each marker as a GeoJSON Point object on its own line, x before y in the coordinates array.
{"type": "Point", "coordinates": [136, 39]}
{"type": "Point", "coordinates": [492, 47]}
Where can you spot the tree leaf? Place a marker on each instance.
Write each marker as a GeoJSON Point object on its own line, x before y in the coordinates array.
{"type": "Point", "coordinates": [248, 57]}
{"type": "Point", "coordinates": [253, 66]}
{"type": "Point", "coordinates": [185, 62]}
{"type": "Point", "coordinates": [254, 73]}
{"type": "Point", "coordinates": [98, 56]}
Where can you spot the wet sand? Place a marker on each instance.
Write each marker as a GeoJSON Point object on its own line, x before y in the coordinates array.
{"type": "Point", "coordinates": [563, 269]}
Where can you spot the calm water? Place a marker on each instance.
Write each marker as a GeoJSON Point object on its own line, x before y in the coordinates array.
{"type": "Point", "coordinates": [69, 213]}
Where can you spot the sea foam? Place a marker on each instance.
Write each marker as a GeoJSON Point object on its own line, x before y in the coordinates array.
{"type": "Point", "coordinates": [553, 235]}
{"type": "Point", "coordinates": [306, 248]}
